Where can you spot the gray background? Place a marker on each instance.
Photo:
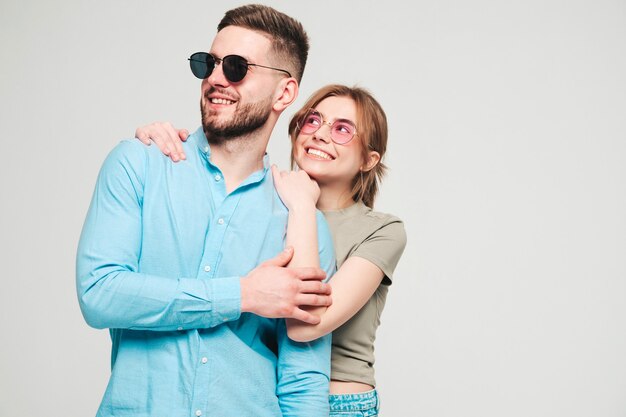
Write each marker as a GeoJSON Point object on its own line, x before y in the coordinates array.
{"type": "Point", "coordinates": [507, 155]}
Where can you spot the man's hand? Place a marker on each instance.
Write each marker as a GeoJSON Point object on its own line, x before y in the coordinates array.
{"type": "Point", "coordinates": [168, 139]}
{"type": "Point", "coordinates": [274, 291]}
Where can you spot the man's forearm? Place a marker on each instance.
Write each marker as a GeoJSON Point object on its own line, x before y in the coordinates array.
{"type": "Point", "coordinates": [124, 299]}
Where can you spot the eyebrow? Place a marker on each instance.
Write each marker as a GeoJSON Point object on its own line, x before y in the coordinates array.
{"type": "Point", "coordinates": [339, 119]}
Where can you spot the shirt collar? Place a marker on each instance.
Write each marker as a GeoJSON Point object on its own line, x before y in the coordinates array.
{"type": "Point", "coordinates": [202, 142]}
{"type": "Point", "coordinates": [205, 150]}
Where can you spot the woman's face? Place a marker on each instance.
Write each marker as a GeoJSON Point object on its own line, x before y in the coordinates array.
{"type": "Point", "coordinates": [324, 160]}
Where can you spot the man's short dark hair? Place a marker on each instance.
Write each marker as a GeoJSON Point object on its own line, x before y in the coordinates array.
{"type": "Point", "coordinates": [289, 40]}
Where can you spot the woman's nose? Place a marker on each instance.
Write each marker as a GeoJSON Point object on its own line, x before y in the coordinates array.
{"type": "Point", "coordinates": [323, 134]}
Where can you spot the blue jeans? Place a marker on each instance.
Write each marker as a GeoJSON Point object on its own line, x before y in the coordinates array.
{"type": "Point", "coordinates": [364, 404]}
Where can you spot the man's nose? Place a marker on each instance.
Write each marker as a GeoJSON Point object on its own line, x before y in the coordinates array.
{"type": "Point", "coordinates": [217, 77]}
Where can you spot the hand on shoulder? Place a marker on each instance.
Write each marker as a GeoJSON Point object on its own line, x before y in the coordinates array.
{"type": "Point", "coordinates": [295, 188]}
{"type": "Point", "coordinates": [166, 137]}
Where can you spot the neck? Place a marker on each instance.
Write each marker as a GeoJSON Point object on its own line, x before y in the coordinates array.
{"type": "Point", "coordinates": [334, 198]}
{"type": "Point", "coordinates": [237, 158]}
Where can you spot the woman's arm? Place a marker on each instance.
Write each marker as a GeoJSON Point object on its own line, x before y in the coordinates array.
{"type": "Point", "coordinates": [358, 278]}
{"type": "Point", "coordinates": [299, 193]}
{"type": "Point", "coordinates": [352, 285]}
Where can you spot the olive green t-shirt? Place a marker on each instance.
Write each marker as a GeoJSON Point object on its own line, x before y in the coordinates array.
{"type": "Point", "coordinates": [379, 238]}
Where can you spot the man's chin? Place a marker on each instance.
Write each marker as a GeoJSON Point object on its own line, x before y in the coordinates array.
{"type": "Point", "coordinates": [213, 127]}
{"type": "Point", "coordinates": [219, 134]}
{"type": "Point", "coordinates": [247, 120]}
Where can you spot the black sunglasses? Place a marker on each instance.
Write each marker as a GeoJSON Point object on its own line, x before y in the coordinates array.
{"type": "Point", "coordinates": [235, 67]}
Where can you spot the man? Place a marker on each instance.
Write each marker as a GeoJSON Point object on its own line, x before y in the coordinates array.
{"type": "Point", "coordinates": [173, 258]}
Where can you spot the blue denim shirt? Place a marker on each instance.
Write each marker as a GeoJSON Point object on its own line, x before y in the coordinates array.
{"type": "Point", "coordinates": [159, 262]}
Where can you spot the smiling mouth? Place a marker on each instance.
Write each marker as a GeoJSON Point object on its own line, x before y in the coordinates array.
{"type": "Point", "coordinates": [221, 101]}
{"type": "Point", "coordinates": [319, 154]}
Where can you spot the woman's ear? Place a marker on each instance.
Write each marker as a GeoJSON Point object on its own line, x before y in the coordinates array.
{"type": "Point", "coordinates": [373, 158]}
{"type": "Point", "coordinates": [286, 93]}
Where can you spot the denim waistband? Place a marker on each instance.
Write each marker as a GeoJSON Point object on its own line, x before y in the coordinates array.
{"type": "Point", "coordinates": [354, 402]}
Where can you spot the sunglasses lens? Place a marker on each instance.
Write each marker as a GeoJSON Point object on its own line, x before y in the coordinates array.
{"type": "Point", "coordinates": [310, 122]}
{"type": "Point", "coordinates": [235, 68]}
{"type": "Point", "coordinates": [201, 64]}
{"type": "Point", "coordinates": [342, 131]}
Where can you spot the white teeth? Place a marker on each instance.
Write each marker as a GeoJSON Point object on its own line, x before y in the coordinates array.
{"type": "Point", "coordinates": [221, 101]}
{"type": "Point", "coordinates": [319, 153]}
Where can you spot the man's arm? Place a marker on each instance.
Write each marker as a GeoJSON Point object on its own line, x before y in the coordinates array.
{"type": "Point", "coordinates": [303, 375]}
{"type": "Point", "coordinates": [113, 293]}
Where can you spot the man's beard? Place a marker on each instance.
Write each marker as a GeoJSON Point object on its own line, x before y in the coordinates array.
{"type": "Point", "coordinates": [247, 119]}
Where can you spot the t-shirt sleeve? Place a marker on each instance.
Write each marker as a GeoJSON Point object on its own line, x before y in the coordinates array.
{"type": "Point", "coordinates": [384, 247]}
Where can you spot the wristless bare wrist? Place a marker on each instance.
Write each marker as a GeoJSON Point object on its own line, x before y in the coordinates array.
{"type": "Point", "coordinates": [302, 208]}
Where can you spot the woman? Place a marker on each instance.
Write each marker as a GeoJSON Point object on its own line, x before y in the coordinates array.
{"type": "Point", "coordinates": [339, 139]}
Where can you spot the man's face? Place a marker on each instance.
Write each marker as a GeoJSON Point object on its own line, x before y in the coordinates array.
{"type": "Point", "coordinates": [230, 109]}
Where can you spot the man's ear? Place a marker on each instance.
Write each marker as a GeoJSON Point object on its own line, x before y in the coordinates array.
{"type": "Point", "coordinates": [286, 93]}
{"type": "Point", "coordinates": [373, 158]}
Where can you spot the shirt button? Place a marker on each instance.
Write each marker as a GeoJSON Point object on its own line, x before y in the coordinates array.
{"type": "Point", "coordinates": [206, 149]}
{"type": "Point", "coordinates": [220, 221]}
{"type": "Point", "coordinates": [198, 413]}
{"type": "Point", "coordinates": [180, 328]}
{"type": "Point", "coordinates": [204, 360]}
{"type": "Point", "coordinates": [218, 177]}
{"type": "Point", "coordinates": [207, 268]}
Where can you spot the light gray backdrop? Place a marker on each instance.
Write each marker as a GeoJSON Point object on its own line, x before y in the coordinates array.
{"type": "Point", "coordinates": [507, 155]}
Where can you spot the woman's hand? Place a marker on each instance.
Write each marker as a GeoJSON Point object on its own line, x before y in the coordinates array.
{"type": "Point", "coordinates": [168, 139]}
{"type": "Point", "coordinates": [295, 188]}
